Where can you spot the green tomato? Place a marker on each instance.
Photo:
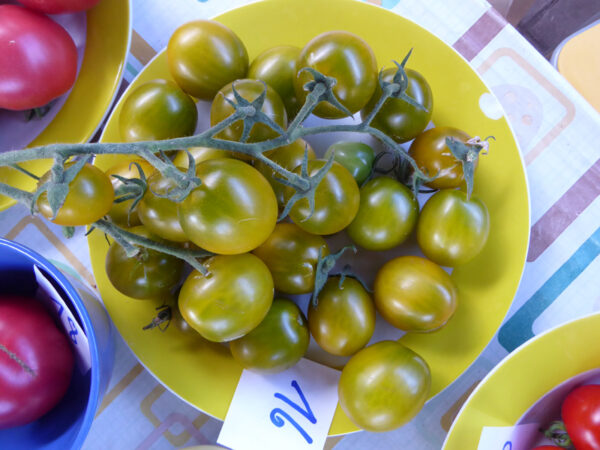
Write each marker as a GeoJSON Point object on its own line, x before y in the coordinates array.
{"type": "Point", "coordinates": [199, 154]}
{"type": "Point", "coordinates": [230, 300]}
{"type": "Point", "coordinates": [157, 110]}
{"type": "Point", "coordinates": [344, 319]}
{"type": "Point", "coordinates": [384, 386]}
{"type": "Point", "coordinates": [277, 67]}
{"type": "Point", "coordinates": [386, 216]}
{"type": "Point", "coordinates": [292, 254]}
{"type": "Point", "coordinates": [277, 343]}
{"type": "Point", "coordinates": [204, 56]}
{"type": "Point", "coordinates": [452, 230]}
{"type": "Point", "coordinates": [355, 156]}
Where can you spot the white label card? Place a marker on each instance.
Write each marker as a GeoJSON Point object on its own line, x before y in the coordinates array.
{"type": "Point", "coordinates": [519, 437]}
{"type": "Point", "coordinates": [79, 342]}
{"type": "Point", "coordinates": [292, 409]}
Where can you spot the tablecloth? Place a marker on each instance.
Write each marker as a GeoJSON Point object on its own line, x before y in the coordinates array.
{"type": "Point", "coordinates": [558, 134]}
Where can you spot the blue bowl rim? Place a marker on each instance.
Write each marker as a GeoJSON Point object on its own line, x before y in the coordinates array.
{"type": "Point", "coordinates": [77, 303]}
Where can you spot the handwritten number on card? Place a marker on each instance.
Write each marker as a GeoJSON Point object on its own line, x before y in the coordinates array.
{"type": "Point", "coordinates": [507, 446]}
{"type": "Point", "coordinates": [278, 413]}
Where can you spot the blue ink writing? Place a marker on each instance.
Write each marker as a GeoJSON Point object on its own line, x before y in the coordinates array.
{"type": "Point", "coordinates": [278, 413]}
{"type": "Point", "coordinates": [507, 446]}
{"type": "Point", "coordinates": [73, 333]}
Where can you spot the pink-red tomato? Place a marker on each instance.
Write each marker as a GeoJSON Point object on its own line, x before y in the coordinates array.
{"type": "Point", "coordinates": [580, 412]}
{"type": "Point", "coordinates": [59, 6]}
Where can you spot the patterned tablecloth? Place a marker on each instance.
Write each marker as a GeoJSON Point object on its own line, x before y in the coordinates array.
{"type": "Point", "coordinates": [558, 133]}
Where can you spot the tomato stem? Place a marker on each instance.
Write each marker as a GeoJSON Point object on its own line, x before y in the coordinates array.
{"type": "Point", "coordinates": [557, 433]}
{"type": "Point", "coordinates": [325, 265]}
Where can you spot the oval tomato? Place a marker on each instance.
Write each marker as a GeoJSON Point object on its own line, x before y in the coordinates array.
{"type": "Point", "coordinates": [386, 216]}
{"type": "Point", "coordinates": [344, 319]}
{"type": "Point", "coordinates": [292, 254]}
{"type": "Point", "coordinates": [580, 412]}
{"type": "Point", "coordinates": [345, 57]}
{"type": "Point", "coordinates": [414, 294]}
{"type": "Point", "coordinates": [451, 229]}
{"type": "Point", "coordinates": [231, 300]}
{"type": "Point", "coordinates": [157, 110]}
{"type": "Point", "coordinates": [233, 211]}
{"type": "Point", "coordinates": [384, 386]}
{"type": "Point", "coordinates": [33, 379]}
{"type": "Point", "coordinates": [357, 157]}
{"type": "Point", "coordinates": [90, 198]}
{"type": "Point", "coordinates": [59, 6]}
{"type": "Point", "coordinates": [204, 56]}
{"type": "Point", "coordinates": [277, 343]}
{"type": "Point", "coordinates": [38, 59]}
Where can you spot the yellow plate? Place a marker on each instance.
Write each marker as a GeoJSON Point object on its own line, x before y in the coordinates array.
{"type": "Point", "coordinates": [106, 47]}
{"type": "Point", "coordinates": [205, 375]}
{"type": "Point", "coordinates": [524, 376]}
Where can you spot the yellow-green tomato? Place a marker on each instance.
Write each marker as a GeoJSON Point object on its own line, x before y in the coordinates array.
{"type": "Point", "coordinates": [90, 198]}
{"type": "Point", "coordinates": [414, 294]}
{"type": "Point", "coordinates": [289, 157]}
{"type": "Point", "coordinates": [386, 216]}
{"type": "Point", "coordinates": [452, 230]}
{"type": "Point", "coordinates": [233, 211]}
{"type": "Point", "coordinates": [277, 343]}
{"type": "Point", "coordinates": [204, 56]}
{"type": "Point", "coordinates": [357, 157]}
{"type": "Point", "coordinates": [292, 254]}
{"type": "Point", "coordinates": [344, 319]}
{"type": "Point", "coordinates": [199, 154]}
{"type": "Point", "coordinates": [336, 200]}
{"type": "Point", "coordinates": [384, 386]}
{"type": "Point", "coordinates": [230, 300]}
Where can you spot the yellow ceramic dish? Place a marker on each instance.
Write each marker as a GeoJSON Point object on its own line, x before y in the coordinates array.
{"type": "Point", "coordinates": [204, 374]}
{"type": "Point", "coordinates": [524, 376]}
{"type": "Point", "coordinates": [106, 48]}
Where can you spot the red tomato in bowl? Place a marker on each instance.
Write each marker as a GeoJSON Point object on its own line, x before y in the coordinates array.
{"type": "Point", "coordinates": [38, 59]}
{"type": "Point", "coordinates": [59, 6]}
{"type": "Point", "coordinates": [36, 361]}
{"type": "Point", "coordinates": [580, 412]}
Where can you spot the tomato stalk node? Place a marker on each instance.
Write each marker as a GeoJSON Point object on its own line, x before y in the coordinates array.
{"type": "Point", "coordinates": [325, 265]}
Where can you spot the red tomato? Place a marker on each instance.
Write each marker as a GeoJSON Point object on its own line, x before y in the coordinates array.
{"type": "Point", "coordinates": [38, 59]}
{"type": "Point", "coordinates": [36, 361]}
{"type": "Point", "coordinates": [59, 6]}
{"type": "Point", "coordinates": [580, 412]}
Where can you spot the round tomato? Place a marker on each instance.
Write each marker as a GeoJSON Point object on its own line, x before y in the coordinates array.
{"type": "Point", "coordinates": [119, 213]}
{"type": "Point", "coordinates": [344, 319]}
{"type": "Point", "coordinates": [204, 56]}
{"type": "Point", "coordinates": [150, 274]}
{"type": "Point", "coordinates": [36, 361]}
{"type": "Point", "coordinates": [451, 229]}
{"type": "Point", "coordinates": [384, 386]}
{"type": "Point", "coordinates": [432, 155]}
{"type": "Point", "coordinates": [59, 6]}
{"type": "Point", "coordinates": [345, 57]}
{"type": "Point", "coordinates": [397, 118]}
{"type": "Point", "coordinates": [355, 156]}
{"type": "Point", "coordinates": [233, 211]}
{"type": "Point", "coordinates": [199, 154]}
{"type": "Point", "coordinates": [38, 59]}
{"type": "Point", "coordinates": [277, 343]}
{"type": "Point", "coordinates": [336, 200]}
{"type": "Point", "coordinates": [157, 110]}
{"type": "Point", "coordinates": [90, 198]}
{"type": "Point", "coordinates": [250, 90]}
{"type": "Point", "coordinates": [289, 157]}
{"type": "Point", "coordinates": [159, 214]}
{"type": "Point", "coordinates": [230, 300]}
{"type": "Point", "coordinates": [580, 412]}
{"type": "Point", "coordinates": [414, 294]}
{"type": "Point", "coordinates": [386, 216]}
{"type": "Point", "coordinates": [292, 254]}
{"type": "Point", "coordinates": [277, 67]}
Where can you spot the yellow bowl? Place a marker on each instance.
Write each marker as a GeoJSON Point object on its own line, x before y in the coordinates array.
{"type": "Point", "coordinates": [106, 47]}
{"type": "Point", "coordinates": [204, 374]}
{"type": "Point", "coordinates": [523, 377]}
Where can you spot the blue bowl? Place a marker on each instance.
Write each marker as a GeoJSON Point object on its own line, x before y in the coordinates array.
{"type": "Point", "coordinates": [67, 425]}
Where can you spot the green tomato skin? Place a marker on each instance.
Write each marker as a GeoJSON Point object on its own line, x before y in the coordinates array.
{"type": "Point", "coordinates": [204, 56]}
{"type": "Point", "coordinates": [452, 230]}
{"type": "Point", "coordinates": [277, 67]}
{"type": "Point", "coordinates": [355, 156]}
{"type": "Point", "coordinates": [273, 107]}
{"type": "Point", "coordinates": [157, 110]}
{"type": "Point", "coordinates": [398, 119]}
{"type": "Point", "coordinates": [384, 386]}
{"type": "Point", "coordinates": [277, 343]}
{"type": "Point", "coordinates": [292, 254]}
{"type": "Point", "coordinates": [231, 300]}
{"type": "Point", "coordinates": [386, 216]}
{"type": "Point", "coordinates": [344, 319]}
